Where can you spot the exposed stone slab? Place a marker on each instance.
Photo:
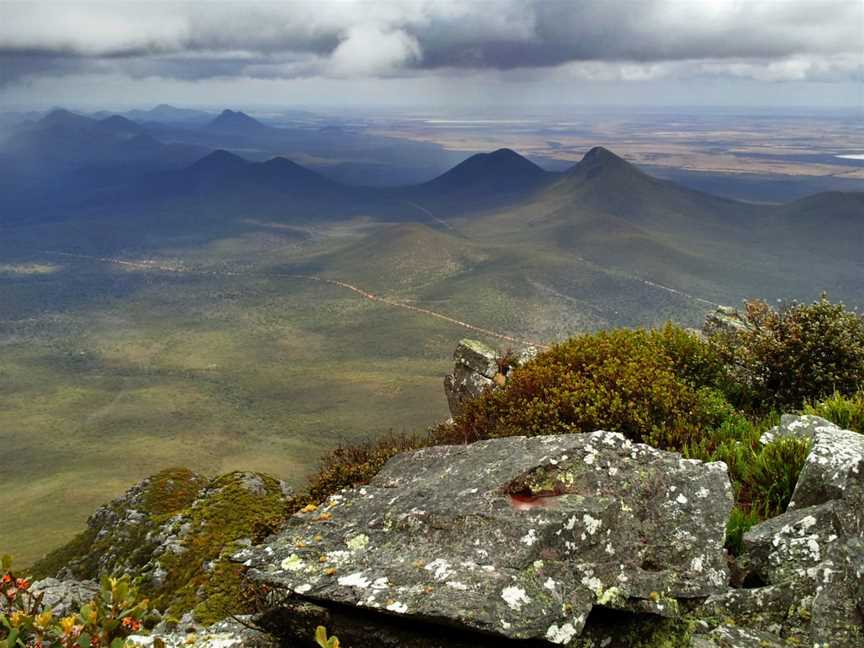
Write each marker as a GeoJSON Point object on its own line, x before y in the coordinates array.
{"type": "Point", "coordinates": [725, 319]}
{"type": "Point", "coordinates": [520, 537]}
{"type": "Point", "coordinates": [726, 636]}
{"type": "Point", "coordinates": [787, 546]}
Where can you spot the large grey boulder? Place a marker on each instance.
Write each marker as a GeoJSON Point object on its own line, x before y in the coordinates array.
{"type": "Point", "coordinates": [517, 537]}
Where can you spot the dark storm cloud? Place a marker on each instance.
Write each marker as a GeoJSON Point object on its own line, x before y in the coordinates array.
{"type": "Point", "coordinates": [195, 40]}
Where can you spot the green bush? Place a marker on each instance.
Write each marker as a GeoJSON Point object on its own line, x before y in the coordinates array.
{"type": "Point", "coordinates": [354, 465]}
{"type": "Point", "coordinates": [654, 386]}
{"type": "Point", "coordinates": [795, 354]}
{"type": "Point", "coordinates": [772, 475]}
{"type": "Point", "coordinates": [847, 412]}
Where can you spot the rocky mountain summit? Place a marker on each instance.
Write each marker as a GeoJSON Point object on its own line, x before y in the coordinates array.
{"type": "Point", "coordinates": [584, 539]}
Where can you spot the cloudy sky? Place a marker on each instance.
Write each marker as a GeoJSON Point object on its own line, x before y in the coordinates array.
{"type": "Point", "coordinates": [434, 52]}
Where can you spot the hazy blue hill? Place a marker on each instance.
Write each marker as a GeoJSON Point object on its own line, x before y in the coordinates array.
{"type": "Point", "coordinates": [483, 182]}
{"type": "Point", "coordinates": [166, 113]}
{"type": "Point", "coordinates": [60, 117]}
{"type": "Point", "coordinates": [607, 211]}
{"type": "Point", "coordinates": [501, 170]}
{"type": "Point", "coordinates": [606, 181]}
{"type": "Point", "coordinates": [63, 141]}
{"type": "Point", "coordinates": [236, 123]}
{"type": "Point", "coordinates": [217, 164]}
{"type": "Point", "coordinates": [121, 126]}
{"type": "Point", "coordinates": [830, 224]}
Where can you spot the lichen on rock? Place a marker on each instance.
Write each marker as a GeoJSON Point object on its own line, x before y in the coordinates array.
{"type": "Point", "coordinates": [519, 537]}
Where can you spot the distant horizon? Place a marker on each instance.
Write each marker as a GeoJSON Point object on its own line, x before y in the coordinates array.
{"type": "Point", "coordinates": [536, 109]}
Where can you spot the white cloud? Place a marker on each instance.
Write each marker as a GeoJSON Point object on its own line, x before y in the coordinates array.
{"type": "Point", "coordinates": [367, 50]}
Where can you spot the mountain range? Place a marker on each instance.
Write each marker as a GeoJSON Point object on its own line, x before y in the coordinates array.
{"type": "Point", "coordinates": [603, 209]}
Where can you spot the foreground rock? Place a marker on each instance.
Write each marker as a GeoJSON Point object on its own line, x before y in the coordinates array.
{"type": "Point", "coordinates": [835, 462]}
{"type": "Point", "coordinates": [477, 368]}
{"type": "Point", "coordinates": [519, 538]}
{"type": "Point", "coordinates": [810, 559]}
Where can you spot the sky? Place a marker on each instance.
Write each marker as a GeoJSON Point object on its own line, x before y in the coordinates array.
{"type": "Point", "coordinates": [434, 53]}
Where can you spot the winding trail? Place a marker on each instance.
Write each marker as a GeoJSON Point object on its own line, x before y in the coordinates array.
{"type": "Point", "coordinates": [428, 213]}
{"type": "Point", "coordinates": [153, 265]}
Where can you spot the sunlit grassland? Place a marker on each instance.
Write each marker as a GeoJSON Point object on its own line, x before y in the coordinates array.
{"type": "Point", "coordinates": [213, 373]}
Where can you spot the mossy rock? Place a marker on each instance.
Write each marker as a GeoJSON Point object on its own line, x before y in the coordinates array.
{"type": "Point", "coordinates": [176, 530]}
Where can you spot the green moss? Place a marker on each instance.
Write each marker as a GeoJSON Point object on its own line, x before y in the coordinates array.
{"type": "Point", "coordinates": [201, 577]}
{"type": "Point", "coordinates": [172, 490]}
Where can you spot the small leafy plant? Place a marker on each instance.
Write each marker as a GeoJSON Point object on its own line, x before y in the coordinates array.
{"type": "Point", "coordinates": [105, 622]}
{"type": "Point", "coordinates": [323, 640]}
{"type": "Point", "coordinates": [845, 411]}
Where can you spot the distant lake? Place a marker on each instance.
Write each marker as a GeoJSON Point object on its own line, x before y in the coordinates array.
{"type": "Point", "coordinates": [851, 156]}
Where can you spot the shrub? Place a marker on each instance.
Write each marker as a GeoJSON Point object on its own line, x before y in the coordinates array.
{"type": "Point", "coordinates": [848, 413]}
{"type": "Point", "coordinates": [105, 622]}
{"type": "Point", "coordinates": [773, 473]}
{"type": "Point", "coordinates": [656, 386]}
{"type": "Point", "coordinates": [784, 358]}
{"type": "Point", "coordinates": [354, 465]}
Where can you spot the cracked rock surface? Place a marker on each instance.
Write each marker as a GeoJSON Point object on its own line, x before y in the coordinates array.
{"type": "Point", "coordinates": [517, 537]}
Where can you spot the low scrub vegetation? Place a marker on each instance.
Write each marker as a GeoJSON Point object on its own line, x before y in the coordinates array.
{"type": "Point", "coordinates": [709, 399]}
{"type": "Point", "coordinates": [656, 386]}
{"type": "Point", "coordinates": [847, 412]}
{"type": "Point", "coordinates": [797, 353]}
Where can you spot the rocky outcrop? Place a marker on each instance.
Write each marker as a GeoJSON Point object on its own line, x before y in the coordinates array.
{"type": "Point", "coordinates": [724, 319]}
{"type": "Point", "coordinates": [64, 597]}
{"type": "Point", "coordinates": [477, 368]}
{"type": "Point", "coordinates": [810, 559]}
{"type": "Point", "coordinates": [835, 462]}
{"type": "Point", "coordinates": [520, 538]}
{"type": "Point", "coordinates": [175, 531]}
